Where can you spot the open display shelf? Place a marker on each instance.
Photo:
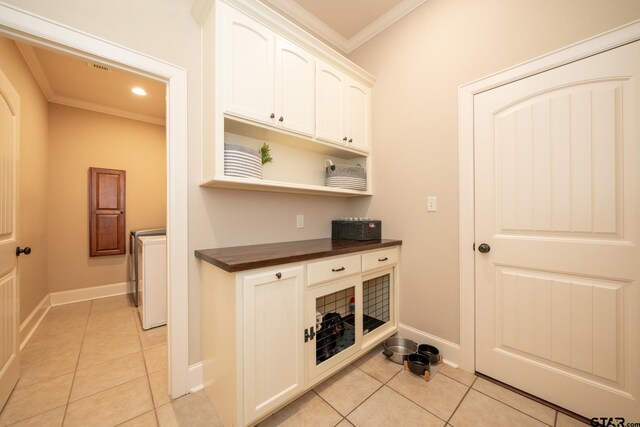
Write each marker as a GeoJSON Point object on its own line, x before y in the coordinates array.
{"type": "Point", "coordinates": [324, 113]}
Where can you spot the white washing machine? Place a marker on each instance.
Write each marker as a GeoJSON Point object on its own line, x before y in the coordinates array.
{"type": "Point", "coordinates": [152, 280]}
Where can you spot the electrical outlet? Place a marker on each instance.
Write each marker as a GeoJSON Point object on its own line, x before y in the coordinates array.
{"type": "Point", "coordinates": [300, 221]}
{"type": "Point", "coordinates": [432, 204]}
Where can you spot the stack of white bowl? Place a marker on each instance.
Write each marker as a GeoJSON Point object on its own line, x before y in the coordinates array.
{"type": "Point", "coordinates": [242, 162]}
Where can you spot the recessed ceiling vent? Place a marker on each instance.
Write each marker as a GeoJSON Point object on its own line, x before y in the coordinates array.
{"type": "Point", "coordinates": [98, 67]}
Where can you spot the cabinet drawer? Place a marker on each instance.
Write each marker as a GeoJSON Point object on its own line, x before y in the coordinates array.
{"type": "Point", "coordinates": [379, 259]}
{"type": "Point", "coordinates": [333, 268]}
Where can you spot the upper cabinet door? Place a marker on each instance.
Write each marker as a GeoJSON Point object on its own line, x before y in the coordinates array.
{"type": "Point", "coordinates": [248, 68]}
{"type": "Point", "coordinates": [295, 88]}
{"type": "Point", "coordinates": [330, 103]}
{"type": "Point", "coordinates": [358, 115]}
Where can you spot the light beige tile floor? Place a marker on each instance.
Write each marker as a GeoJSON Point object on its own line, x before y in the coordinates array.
{"type": "Point", "coordinates": [91, 363]}
{"type": "Point", "coordinates": [374, 391]}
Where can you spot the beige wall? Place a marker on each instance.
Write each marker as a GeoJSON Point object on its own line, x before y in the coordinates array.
{"type": "Point", "coordinates": [165, 29]}
{"type": "Point", "coordinates": [419, 64]}
{"type": "Point", "coordinates": [79, 139]}
{"type": "Point", "coordinates": [32, 178]}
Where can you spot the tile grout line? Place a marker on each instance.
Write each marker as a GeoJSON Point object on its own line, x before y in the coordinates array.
{"type": "Point", "coordinates": [419, 405]}
{"type": "Point", "coordinates": [540, 401]}
{"type": "Point", "coordinates": [46, 380]}
{"type": "Point", "coordinates": [75, 371]}
{"type": "Point", "coordinates": [514, 408]}
{"type": "Point", "coordinates": [395, 391]}
{"type": "Point", "coordinates": [456, 380]}
{"type": "Point", "coordinates": [134, 379]}
{"type": "Point", "coordinates": [357, 406]}
{"type": "Point", "coordinates": [139, 330]}
{"type": "Point", "coordinates": [447, 422]}
{"type": "Point", "coordinates": [86, 317]}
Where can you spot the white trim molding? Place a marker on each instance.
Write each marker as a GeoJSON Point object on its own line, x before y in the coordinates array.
{"type": "Point", "coordinates": [592, 46]}
{"type": "Point", "coordinates": [21, 25]}
{"type": "Point", "coordinates": [306, 18]}
{"type": "Point", "coordinates": [31, 323]}
{"type": "Point", "coordinates": [196, 381]}
{"type": "Point", "coordinates": [87, 294]}
{"type": "Point", "coordinates": [450, 351]}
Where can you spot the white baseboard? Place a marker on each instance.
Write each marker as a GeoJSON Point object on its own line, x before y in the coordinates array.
{"type": "Point", "coordinates": [31, 323]}
{"type": "Point", "coordinates": [194, 377]}
{"type": "Point", "coordinates": [86, 294]}
{"type": "Point", "coordinates": [451, 352]}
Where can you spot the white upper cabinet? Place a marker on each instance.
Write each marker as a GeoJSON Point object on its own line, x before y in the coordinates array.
{"type": "Point", "coordinates": [330, 103]}
{"type": "Point", "coordinates": [358, 119]}
{"type": "Point", "coordinates": [248, 58]}
{"type": "Point", "coordinates": [267, 81]}
{"type": "Point", "coordinates": [294, 88]}
{"type": "Point", "coordinates": [342, 109]}
{"type": "Point", "coordinates": [266, 78]}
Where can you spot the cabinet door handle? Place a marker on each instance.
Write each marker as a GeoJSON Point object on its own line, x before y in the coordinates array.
{"type": "Point", "coordinates": [383, 259]}
{"type": "Point", "coordinates": [312, 334]}
{"type": "Point", "coordinates": [272, 116]}
{"type": "Point", "coordinates": [338, 269]}
{"type": "Point", "coordinates": [279, 275]}
{"type": "Point", "coordinates": [281, 119]}
{"type": "Point", "coordinates": [350, 139]}
{"type": "Point", "coordinates": [344, 139]}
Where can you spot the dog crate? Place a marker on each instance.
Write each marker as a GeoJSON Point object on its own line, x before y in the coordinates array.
{"type": "Point", "coordinates": [335, 328]}
{"type": "Point", "coordinates": [376, 302]}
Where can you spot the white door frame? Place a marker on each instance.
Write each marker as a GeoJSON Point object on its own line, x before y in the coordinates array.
{"type": "Point", "coordinates": [606, 41]}
{"type": "Point", "coordinates": [16, 23]}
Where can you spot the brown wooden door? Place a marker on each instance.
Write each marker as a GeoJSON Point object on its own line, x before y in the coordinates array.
{"type": "Point", "coordinates": [106, 212]}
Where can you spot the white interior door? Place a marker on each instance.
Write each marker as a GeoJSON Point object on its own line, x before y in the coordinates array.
{"type": "Point", "coordinates": [558, 201]}
{"type": "Point", "coordinates": [9, 324]}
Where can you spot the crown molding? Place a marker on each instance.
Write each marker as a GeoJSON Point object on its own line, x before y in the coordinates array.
{"type": "Point", "coordinates": [41, 78]}
{"type": "Point", "coordinates": [34, 65]}
{"type": "Point", "coordinates": [200, 9]}
{"type": "Point", "coordinates": [72, 102]}
{"type": "Point", "coordinates": [303, 16]}
{"type": "Point", "coordinates": [300, 14]}
{"type": "Point", "coordinates": [392, 16]}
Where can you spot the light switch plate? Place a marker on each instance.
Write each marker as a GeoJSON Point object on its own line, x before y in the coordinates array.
{"type": "Point", "coordinates": [300, 221]}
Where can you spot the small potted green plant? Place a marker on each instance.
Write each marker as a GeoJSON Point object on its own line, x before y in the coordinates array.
{"type": "Point", "coordinates": [265, 153]}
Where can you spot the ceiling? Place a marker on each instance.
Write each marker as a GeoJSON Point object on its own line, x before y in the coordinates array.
{"type": "Point", "coordinates": [76, 82]}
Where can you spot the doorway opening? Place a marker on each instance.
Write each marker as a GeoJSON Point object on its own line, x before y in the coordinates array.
{"type": "Point", "coordinates": [21, 26]}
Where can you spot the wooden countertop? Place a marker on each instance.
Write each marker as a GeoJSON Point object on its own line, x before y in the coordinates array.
{"type": "Point", "coordinates": [240, 258]}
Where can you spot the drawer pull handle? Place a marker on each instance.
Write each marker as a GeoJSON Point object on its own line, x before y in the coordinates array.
{"type": "Point", "coordinates": [335, 270]}
{"type": "Point", "coordinates": [279, 275]}
{"type": "Point", "coordinates": [383, 259]}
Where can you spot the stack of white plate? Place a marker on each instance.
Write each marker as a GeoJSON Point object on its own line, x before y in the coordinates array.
{"type": "Point", "coordinates": [347, 182]}
{"type": "Point", "coordinates": [241, 161]}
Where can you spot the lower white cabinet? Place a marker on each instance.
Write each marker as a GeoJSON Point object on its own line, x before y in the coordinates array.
{"type": "Point", "coordinates": [273, 357]}
{"type": "Point", "coordinates": [269, 335]}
